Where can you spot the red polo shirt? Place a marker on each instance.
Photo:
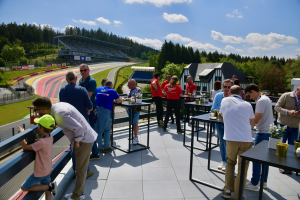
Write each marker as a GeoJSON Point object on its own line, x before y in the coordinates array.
{"type": "Point", "coordinates": [154, 92]}
{"type": "Point", "coordinates": [163, 85]}
{"type": "Point", "coordinates": [189, 88]}
{"type": "Point", "coordinates": [173, 92]}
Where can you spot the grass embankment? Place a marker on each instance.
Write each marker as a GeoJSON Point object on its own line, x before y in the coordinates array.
{"type": "Point", "coordinates": [14, 111]}
{"type": "Point", "coordinates": [125, 72]}
{"type": "Point", "coordinates": [9, 75]}
{"type": "Point", "coordinates": [101, 75]}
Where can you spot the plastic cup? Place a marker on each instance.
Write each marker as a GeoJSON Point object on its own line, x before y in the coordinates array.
{"type": "Point", "coordinates": [202, 101]}
{"type": "Point", "coordinates": [281, 149]}
{"type": "Point", "coordinates": [197, 101]}
{"type": "Point", "coordinates": [297, 144]}
{"type": "Point", "coordinates": [189, 94]}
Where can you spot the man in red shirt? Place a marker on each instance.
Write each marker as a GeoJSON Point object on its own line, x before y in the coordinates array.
{"type": "Point", "coordinates": [190, 88]}
{"type": "Point", "coordinates": [163, 85]}
{"type": "Point", "coordinates": [157, 98]}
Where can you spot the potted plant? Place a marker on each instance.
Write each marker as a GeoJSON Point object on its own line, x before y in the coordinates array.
{"type": "Point", "coordinates": [139, 97]}
{"type": "Point", "coordinates": [276, 135]}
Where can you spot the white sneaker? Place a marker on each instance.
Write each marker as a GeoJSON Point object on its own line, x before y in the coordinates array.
{"type": "Point", "coordinates": [68, 196]}
{"type": "Point", "coordinates": [135, 141]}
{"type": "Point", "coordinates": [224, 167]}
{"type": "Point", "coordinates": [221, 165]}
{"type": "Point", "coordinates": [250, 186]}
{"type": "Point", "coordinates": [265, 185]}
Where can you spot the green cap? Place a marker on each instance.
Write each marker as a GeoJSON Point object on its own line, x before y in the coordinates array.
{"type": "Point", "coordinates": [46, 121]}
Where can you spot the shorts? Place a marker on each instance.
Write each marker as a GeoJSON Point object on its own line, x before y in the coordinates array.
{"type": "Point", "coordinates": [135, 117]}
{"type": "Point", "coordinates": [32, 181]}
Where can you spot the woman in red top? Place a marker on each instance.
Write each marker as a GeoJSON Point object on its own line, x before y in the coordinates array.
{"type": "Point", "coordinates": [174, 92]}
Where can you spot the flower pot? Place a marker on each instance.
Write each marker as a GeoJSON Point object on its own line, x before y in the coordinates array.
{"type": "Point", "coordinates": [139, 100]}
{"type": "Point", "coordinates": [272, 142]}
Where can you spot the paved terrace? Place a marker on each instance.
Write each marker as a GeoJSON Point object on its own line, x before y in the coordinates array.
{"type": "Point", "coordinates": [162, 172]}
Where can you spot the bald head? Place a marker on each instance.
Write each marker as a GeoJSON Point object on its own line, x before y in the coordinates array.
{"type": "Point", "coordinates": [131, 84]}
{"type": "Point", "coordinates": [235, 90]}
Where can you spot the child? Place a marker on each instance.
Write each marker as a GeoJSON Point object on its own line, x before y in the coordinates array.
{"type": "Point", "coordinates": [40, 179]}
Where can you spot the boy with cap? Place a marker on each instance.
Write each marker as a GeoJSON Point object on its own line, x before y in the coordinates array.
{"type": "Point", "coordinates": [40, 179]}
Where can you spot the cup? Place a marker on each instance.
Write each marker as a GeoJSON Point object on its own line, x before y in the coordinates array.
{"type": "Point", "coordinates": [189, 94]}
{"type": "Point", "coordinates": [201, 101]}
{"type": "Point", "coordinates": [297, 144]}
{"type": "Point", "coordinates": [220, 115]}
{"type": "Point", "coordinates": [197, 101]}
{"type": "Point", "coordinates": [215, 113]}
{"type": "Point", "coordinates": [212, 114]}
{"type": "Point", "coordinates": [281, 149]}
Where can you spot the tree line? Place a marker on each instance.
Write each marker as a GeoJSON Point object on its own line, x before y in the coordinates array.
{"type": "Point", "coordinates": [39, 39]}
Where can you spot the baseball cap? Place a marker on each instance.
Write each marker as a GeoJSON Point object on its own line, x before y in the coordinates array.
{"type": "Point", "coordinates": [46, 121]}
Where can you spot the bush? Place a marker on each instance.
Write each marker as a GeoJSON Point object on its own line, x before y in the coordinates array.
{"type": "Point", "coordinates": [2, 63]}
{"type": "Point", "coordinates": [23, 61]}
{"type": "Point", "coordinates": [145, 89]}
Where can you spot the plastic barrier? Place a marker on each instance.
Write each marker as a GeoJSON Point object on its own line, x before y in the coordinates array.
{"type": "Point", "coordinates": [56, 69]}
{"type": "Point", "coordinates": [49, 70]}
{"type": "Point", "coordinates": [26, 76]}
{"type": "Point", "coordinates": [33, 74]}
{"type": "Point", "coordinates": [41, 72]}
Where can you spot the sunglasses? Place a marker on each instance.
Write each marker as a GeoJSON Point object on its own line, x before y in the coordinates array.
{"type": "Point", "coordinates": [34, 110]}
{"type": "Point", "coordinates": [83, 70]}
{"type": "Point", "coordinates": [169, 77]}
{"type": "Point", "coordinates": [227, 87]}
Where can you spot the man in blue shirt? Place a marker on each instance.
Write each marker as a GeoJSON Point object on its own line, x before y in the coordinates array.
{"type": "Point", "coordinates": [105, 96]}
{"type": "Point", "coordinates": [220, 127]}
{"type": "Point", "coordinates": [89, 83]}
{"type": "Point", "coordinates": [79, 98]}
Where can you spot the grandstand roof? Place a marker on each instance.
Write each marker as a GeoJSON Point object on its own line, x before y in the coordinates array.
{"type": "Point", "coordinates": [92, 41]}
{"type": "Point", "coordinates": [143, 68]}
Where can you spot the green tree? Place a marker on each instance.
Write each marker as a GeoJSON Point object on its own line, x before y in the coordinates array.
{"type": "Point", "coordinates": [209, 57]}
{"type": "Point", "coordinates": [7, 53]}
{"type": "Point", "coordinates": [216, 57]}
{"type": "Point", "coordinates": [197, 57]}
{"type": "Point", "coordinates": [172, 69]}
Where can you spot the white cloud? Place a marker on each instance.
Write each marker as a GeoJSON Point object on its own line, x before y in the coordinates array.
{"type": "Point", "coordinates": [207, 47]}
{"type": "Point", "coordinates": [158, 3]}
{"type": "Point", "coordinates": [154, 43]}
{"type": "Point", "coordinates": [258, 39]}
{"type": "Point", "coordinates": [246, 7]}
{"type": "Point", "coordinates": [297, 49]}
{"type": "Point", "coordinates": [175, 18]}
{"type": "Point", "coordinates": [46, 25]}
{"type": "Point", "coordinates": [235, 13]}
{"type": "Point", "coordinates": [92, 23]}
{"type": "Point", "coordinates": [103, 20]}
{"type": "Point", "coordinates": [117, 23]}
{"type": "Point", "coordinates": [177, 38]}
{"type": "Point", "coordinates": [226, 38]}
{"type": "Point", "coordinates": [264, 48]}
{"type": "Point", "coordinates": [228, 47]}
{"type": "Point", "coordinates": [69, 26]}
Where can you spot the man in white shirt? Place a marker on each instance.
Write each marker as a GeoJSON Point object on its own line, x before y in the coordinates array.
{"type": "Point", "coordinates": [263, 120]}
{"type": "Point", "coordinates": [79, 132]}
{"type": "Point", "coordinates": [238, 120]}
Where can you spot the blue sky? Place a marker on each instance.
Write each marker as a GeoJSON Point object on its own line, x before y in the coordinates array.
{"type": "Point", "coordinates": [246, 27]}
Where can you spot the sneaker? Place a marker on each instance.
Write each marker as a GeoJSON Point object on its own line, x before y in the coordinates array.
{"type": "Point", "coordinates": [180, 131]}
{"type": "Point", "coordinates": [107, 150]}
{"type": "Point", "coordinates": [101, 150]}
{"type": "Point", "coordinates": [161, 124]}
{"type": "Point", "coordinates": [265, 185]}
{"type": "Point", "coordinates": [135, 141]}
{"type": "Point", "coordinates": [164, 130]}
{"type": "Point", "coordinates": [283, 171]}
{"type": "Point", "coordinates": [250, 186]}
{"type": "Point", "coordinates": [94, 156]}
{"type": "Point", "coordinates": [68, 196]}
{"type": "Point", "coordinates": [221, 165]}
{"type": "Point", "coordinates": [53, 188]}
{"type": "Point", "coordinates": [226, 194]}
{"type": "Point", "coordinates": [224, 167]}
{"type": "Point", "coordinates": [91, 173]}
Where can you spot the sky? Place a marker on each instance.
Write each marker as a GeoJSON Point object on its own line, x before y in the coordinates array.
{"type": "Point", "coordinates": [245, 27]}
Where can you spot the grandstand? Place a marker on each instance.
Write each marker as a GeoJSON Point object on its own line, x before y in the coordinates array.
{"type": "Point", "coordinates": [142, 74]}
{"type": "Point", "coordinates": [88, 49]}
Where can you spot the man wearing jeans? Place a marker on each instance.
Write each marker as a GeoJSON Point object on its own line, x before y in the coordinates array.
{"type": "Point", "coordinates": [238, 136]}
{"type": "Point", "coordinates": [105, 96]}
{"type": "Point", "coordinates": [220, 127]}
{"type": "Point", "coordinates": [288, 107]}
{"type": "Point", "coordinates": [263, 119]}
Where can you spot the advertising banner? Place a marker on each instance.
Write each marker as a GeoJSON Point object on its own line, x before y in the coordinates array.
{"type": "Point", "coordinates": [76, 57]}
{"type": "Point", "coordinates": [48, 65]}
{"type": "Point", "coordinates": [82, 57]}
{"type": "Point", "coordinates": [14, 68]}
{"type": "Point", "coordinates": [63, 64]}
{"type": "Point", "coordinates": [54, 65]}
{"type": "Point", "coordinates": [88, 58]}
{"type": "Point", "coordinates": [59, 64]}
{"type": "Point", "coordinates": [19, 67]}
{"type": "Point", "coordinates": [30, 66]}
{"type": "Point", "coordinates": [24, 67]}
{"type": "Point", "coordinates": [68, 57]}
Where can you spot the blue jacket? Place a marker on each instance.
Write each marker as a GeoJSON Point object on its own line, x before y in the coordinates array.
{"type": "Point", "coordinates": [217, 101]}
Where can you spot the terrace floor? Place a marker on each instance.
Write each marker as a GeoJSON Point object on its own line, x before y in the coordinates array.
{"type": "Point", "coordinates": [162, 172]}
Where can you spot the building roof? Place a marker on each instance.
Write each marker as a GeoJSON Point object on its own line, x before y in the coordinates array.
{"type": "Point", "coordinates": [228, 70]}
{"type": "Point", "coordinates": [206, 67]}
{"type": "Point", "coordinates": [137, 68]}
{"type": "Point", "coordinates": [92, 41]}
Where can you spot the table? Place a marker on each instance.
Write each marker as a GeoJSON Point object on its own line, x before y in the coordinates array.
{"type": "Point", "coordinates": [204, 118]}
{"type": "Point", "coordinates": [262, 154]}
{"type": "Point", "coordinates": [132, 106]}
{"type": "Point", "coordinates": [207, 107]}
{"type": "Point", "coordinates": [192, 97]}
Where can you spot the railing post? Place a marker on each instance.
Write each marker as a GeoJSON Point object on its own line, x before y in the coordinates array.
{"type": "Point", "coordinates": [24, 126]}
{"type": "Point", "coordinates": [13, 131]}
